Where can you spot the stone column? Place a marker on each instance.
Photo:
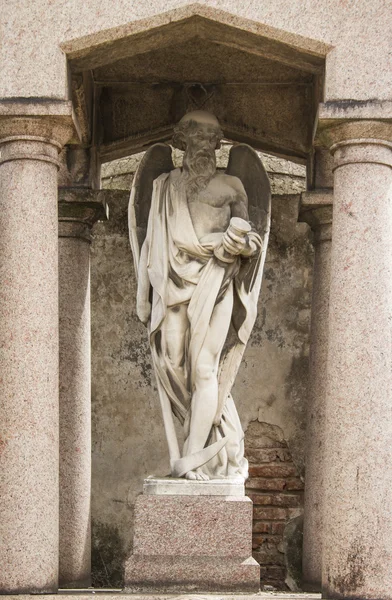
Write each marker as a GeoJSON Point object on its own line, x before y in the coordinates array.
{"type": "Point", "coordinates": [79, 208]}
{"type": "Point", "coordinates": [29, 498]}
{"type": "Point", "coordinates": [357, 514]}
{"type": "Point", "coordinates": [316, 210]}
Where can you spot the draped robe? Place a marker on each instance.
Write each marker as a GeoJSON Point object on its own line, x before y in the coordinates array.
{"type": "Point", "coordinates": [182, 270]}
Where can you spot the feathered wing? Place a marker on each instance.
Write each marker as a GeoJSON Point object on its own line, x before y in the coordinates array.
{"type": "Point", "coordinates": [156, 160]}
{"type": "Point", "coordinates": [245, 164]}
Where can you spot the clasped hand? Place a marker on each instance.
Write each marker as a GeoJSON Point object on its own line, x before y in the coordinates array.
{"type": "Point", "coordinates": [233, 243]}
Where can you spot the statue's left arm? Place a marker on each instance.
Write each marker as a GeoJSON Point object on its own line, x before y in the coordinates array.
{"type": "Point", "coordinates": [232, 243]}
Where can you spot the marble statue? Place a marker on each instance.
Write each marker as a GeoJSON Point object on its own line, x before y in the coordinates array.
{"type": "Point", "coordinates": [199, 240]}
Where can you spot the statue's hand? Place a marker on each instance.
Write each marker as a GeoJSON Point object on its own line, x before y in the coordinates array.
{"type": "Point", "coordinates": [233, 243]}
{"type": "Point", "coordinates": [143, 311]}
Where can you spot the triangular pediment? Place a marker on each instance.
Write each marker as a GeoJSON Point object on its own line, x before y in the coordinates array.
{"type": "Point", "coordinates": [262, 83]}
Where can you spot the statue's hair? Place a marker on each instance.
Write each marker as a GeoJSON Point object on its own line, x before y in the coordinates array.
{"type": "Point", "coordinates": [182, 129]}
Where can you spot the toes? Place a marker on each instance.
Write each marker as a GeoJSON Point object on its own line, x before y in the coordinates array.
{"type": "Point", "coordinates": [202, 476]}
{"type": "Point", "coordinates": [196, 476]}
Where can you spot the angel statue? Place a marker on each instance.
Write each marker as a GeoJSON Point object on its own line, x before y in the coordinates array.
{"type": "Point", "coordinates": [199, 274]}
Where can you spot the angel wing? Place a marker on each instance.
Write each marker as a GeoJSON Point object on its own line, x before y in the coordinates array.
{"type": "Point", "coordinates": [245, 163]}
{"type": "Point", "coordinates": [156, 160]}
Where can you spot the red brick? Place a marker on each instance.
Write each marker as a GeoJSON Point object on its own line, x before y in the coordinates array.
{"type": "Point", "coordinates": [261, 499]}
{"type": "Point", "coordinates": [273, 470]}
{"type": "Point", "coordinates": [259, 483]}
{"type": "Point", "coordinates": [261, 527]}
{"type": "Point", "coordinates": [279, 485]}
{"type": "Point", "coordinates": [289, 500]}
{"type": "Point", "coordinates": [277, 528]}
{"type": "Point", "coordinates": [292, 513]}
{"type": "Point", "coordinates": [267, 455]}
{"type": "Point", "coordinates": [270, 513]}
{"type": "Point", "coordinates": [264, 540]}
{"type": "Point", "coordinates": [294, 484]}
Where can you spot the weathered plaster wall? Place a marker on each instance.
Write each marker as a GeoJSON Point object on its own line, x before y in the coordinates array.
{"type": "Point", "coordinates": [128, 435]}
{"type": "Point", "coordinates": [33, 64]}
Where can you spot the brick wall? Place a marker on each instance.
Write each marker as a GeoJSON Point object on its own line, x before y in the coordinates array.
{"type": "Point", "coordinates": [276, 489]}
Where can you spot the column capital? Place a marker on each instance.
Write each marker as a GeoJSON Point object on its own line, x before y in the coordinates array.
{"type": "Point", "coordinates": [50, 121]}
{"type": "Point", "coordinates": [316, 211]}
{"type": "Point", "coordinates": [79, 167]}
{"type": "Point", "coordinates": [346, 121]}
{"type": "Point", "coordinates": [79, 209]}
{"type": "Point", "coordinates": [361, 150]}
{"type": "Point", "coordinates": [354, 123]}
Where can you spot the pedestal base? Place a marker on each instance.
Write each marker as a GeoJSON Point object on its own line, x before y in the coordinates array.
{"type": "Point", "coordinates": [192, 543]}
{"type": "Point", "coordinates": [179, 574]}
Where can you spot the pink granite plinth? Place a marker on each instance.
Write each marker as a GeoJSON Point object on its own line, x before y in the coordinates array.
{"type": "Point", "coordinates": [192, 544]}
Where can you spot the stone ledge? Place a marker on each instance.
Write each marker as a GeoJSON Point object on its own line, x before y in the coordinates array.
{"type": "Point", "coordinates": [82, 204]}
{"type": "Point", "coordinates": [355, 109]}
{"type": "Point", "coordinates": [35, 107]}
{"type": "Point", "coordinates": [118, 594]}
{"type": "Point", "coordinates": [167, 486]}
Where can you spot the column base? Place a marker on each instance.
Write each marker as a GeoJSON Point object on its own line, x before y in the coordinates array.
{"type": "Point", "coordinates": [192, 543]}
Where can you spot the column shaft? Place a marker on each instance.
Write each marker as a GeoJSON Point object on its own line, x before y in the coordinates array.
{"type": "Point", "coordinates": [357, 531]}
{"type": "Point", "coordinates": [316, 210]}
{"type": "Point", "coordinates": [315, 433]}
{"type": "Point", "coordinates": [28, 365]}
{"type": "Point", "coordinates": [75, 408]}
{"type": "Point", "coordinates": [78, 210]}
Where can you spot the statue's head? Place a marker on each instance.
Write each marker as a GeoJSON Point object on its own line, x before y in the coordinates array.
{"type": "Point", "coordinates": [199, 135]}
{"type": "Point", "coordinates": [197, 127]}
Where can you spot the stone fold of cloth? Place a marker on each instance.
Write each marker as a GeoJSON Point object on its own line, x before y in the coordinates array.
{"type": "Point", "coordinates": [192, 461]}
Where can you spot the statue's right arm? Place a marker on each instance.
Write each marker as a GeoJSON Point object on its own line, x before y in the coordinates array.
{"type": "Point", "coordinates": [143, 305]}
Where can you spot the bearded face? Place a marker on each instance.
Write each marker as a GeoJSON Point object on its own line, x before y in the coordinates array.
{"type": "Point", "coordinates": [200, 167]}
{"type": "Point", "coordinates": [199, 140]}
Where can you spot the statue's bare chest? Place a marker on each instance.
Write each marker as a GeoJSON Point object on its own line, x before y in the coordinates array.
{"type": "Point", "coordinates": [216, 195]}
{"type": "Point", "coordinates": [210, 209]}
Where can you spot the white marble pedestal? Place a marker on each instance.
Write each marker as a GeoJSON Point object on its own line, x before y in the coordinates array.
{"type": "Point", "coordinates": [168, 486]}
{"type": "Point", "coordinates": [192, 537]}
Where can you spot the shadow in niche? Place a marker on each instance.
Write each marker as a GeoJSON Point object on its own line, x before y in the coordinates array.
{"type": "Point", "coordinates": [107, 556]}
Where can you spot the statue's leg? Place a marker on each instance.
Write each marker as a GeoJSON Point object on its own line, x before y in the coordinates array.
{"type": "Point", "coordinates": [174, 331]}
{"type": "Point", "coordinates": [205, 395]}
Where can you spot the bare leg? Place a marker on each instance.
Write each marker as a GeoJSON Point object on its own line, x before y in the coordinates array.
{"type": "Point", "coordinates": [205, 395]}
{"type": "Point", "coordinates": [173, 333]}
{"type": "Point", "coordinates": [174, 329]}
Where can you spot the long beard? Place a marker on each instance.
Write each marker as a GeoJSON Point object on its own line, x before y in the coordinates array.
{"type": "Point", "coordinates": [200, 169]}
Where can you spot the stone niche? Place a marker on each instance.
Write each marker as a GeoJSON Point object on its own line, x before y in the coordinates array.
{"type": "Point", "coordinates": [270, 391]}
{"type": "Point", "coordinates": [130, 85]}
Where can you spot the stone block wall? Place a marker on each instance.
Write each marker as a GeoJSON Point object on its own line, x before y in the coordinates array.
{"type": "Point", "coordinates": [270, 391]}
{"type": "Point", "coordinates": [286, 177]}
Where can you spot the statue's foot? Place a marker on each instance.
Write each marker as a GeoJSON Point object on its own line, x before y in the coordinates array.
{"type": "Point", "coordinates": [196, 476]}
